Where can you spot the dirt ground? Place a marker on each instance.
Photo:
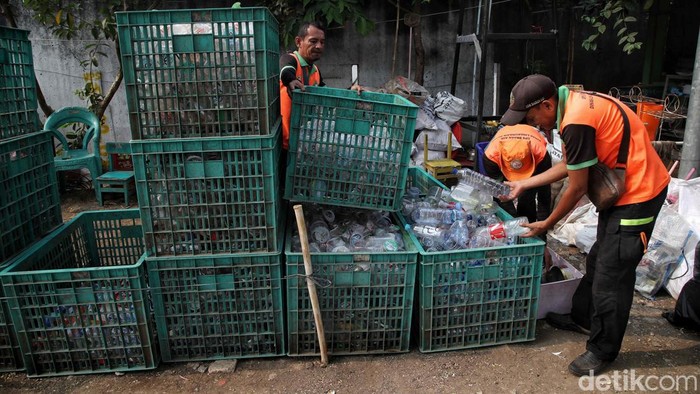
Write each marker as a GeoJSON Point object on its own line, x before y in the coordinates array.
{"type": "Point", "coordinates": [652, 348]}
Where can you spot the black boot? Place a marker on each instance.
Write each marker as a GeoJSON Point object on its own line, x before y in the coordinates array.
{"type": "Point", "coordinates": [587, 363]}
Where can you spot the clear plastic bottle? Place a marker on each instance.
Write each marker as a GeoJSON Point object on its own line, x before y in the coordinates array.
{"type": "Point", "coordinates": [431, 237]}
{"type": "Point", "coordinates": [436, 216]}
{"type": "Point", "coordinates": [459, 234]}
{"type": "Point", "coordinates": [469, 196]}
{"type": "Point", "coordinates": [482, 182]}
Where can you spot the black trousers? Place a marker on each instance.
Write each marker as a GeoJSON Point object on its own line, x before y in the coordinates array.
{"type": "Point", "coordinates": [603, 299]}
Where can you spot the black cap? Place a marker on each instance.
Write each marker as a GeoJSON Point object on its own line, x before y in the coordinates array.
{"type": "Point", "coordinates": [527, 93]}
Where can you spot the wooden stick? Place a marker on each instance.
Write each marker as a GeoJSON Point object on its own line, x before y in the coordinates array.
{"type": "Point", "coordinates": [301, 225]}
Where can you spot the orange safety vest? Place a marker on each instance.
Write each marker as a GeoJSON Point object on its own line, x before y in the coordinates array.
{"type": "Point", "coordinates": [314, 79]}
{"type": "Point", "coordinates": [646, 174]}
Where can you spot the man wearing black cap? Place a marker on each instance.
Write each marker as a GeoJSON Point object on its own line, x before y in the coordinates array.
{"type": "Point", "coordinates": [591, 126]}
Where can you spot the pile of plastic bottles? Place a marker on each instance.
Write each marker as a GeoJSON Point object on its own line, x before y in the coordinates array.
{"type": "Point", "coordinates": [343, 230]}
{"type": "Point", "coordinates": [461, 218]}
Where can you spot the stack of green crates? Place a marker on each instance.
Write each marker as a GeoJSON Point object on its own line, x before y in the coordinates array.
{"type": "Point", "coordinates": [366, 308]}
{"type": "Point", "coordinates": [18, 102]}
{"type": "Point", "coordinates": [78, 298]}
{"type": "Point", "coordinates": [30, 203]}
{"type": "Point", "coordinates": [476, 297]}
{"type": "Point", "coordinates": [203, 98]}
{"type": "Point", "coordinates": [351, 150]}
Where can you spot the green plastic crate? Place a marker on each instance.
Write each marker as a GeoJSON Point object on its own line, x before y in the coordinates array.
{"type": "Point", "coordinates": [30, 205]}
{"type": "Point", "coordinates": [218, 306]}
{"type": "Point", "coordinates": [348, 149]}
{"type": "Point", "coordinates": [476, 297]}
{"type": "Point", "coordinates": [79, 301]}
{"type": "Point", "coordinates": [208, 195]}
{"type": "Point", "coordinates": [365, 310]}
{"type": "Point", "coordinates": [10, 355]}
{"type": "Point", "coordinates": [200, 73]}
{"type": "Point", "coordinates": [18, 103]}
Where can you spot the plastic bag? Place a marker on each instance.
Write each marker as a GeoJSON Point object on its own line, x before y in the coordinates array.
{"type": "Point", "coordinates": [449, 108]}
{"type": "Point", "coordinates": [579, 228]}
{"type": "Point", "coordinates": [684, 270]}
{"type": "Point", "coordinates": [664, 251]}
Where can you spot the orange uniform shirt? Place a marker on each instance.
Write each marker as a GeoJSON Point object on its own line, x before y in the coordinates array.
{"type": "Point", "coordinates": [591, 128]}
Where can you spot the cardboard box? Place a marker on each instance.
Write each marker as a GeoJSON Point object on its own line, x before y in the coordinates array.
{"type": "Point", "coordinates": [556, 296]}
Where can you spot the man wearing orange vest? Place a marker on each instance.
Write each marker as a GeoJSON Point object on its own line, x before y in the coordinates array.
{"type": "Point", "coordinates": [297, 69]}
{"type": "Point", "coordinates": [592, 127]}
{"type": "Point", "coordinates": [515, 153]}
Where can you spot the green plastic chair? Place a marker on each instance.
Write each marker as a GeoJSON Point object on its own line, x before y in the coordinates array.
{"type": "Point", "coordinates": [73, 159]}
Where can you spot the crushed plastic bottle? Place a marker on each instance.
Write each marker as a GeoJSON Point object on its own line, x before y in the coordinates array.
{"type": "Point", "coordinates": [436, 216]}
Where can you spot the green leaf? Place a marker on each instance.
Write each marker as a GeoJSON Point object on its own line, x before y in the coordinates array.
{"type": "Point", "coordinates": [617, 23]}
{"type": "Point", "coordinates": [618, 9]}
{"type": "Point", "coordinates": [594, 46]}
{"type": "Point", "coordinates": [58, 17]}
{"type": "Point", "coordinates": [586, 45]}
{"type": "Point", "coordinates": [619, 32]}
{"type": "Point", "coordinates": [627, 48]}
{"type": "Point", "coordinates": [623, 39]}
{"type": "Point", "coordinates": [630, 19]}
{"type": "Point", "coordinates": [606, 14]}
{"type": "Point", "coordinates": [648, 4]}
{"type": "Point", "coordinates": [601, 29]}
{"type": "Point", "coordinates": [630, 38]}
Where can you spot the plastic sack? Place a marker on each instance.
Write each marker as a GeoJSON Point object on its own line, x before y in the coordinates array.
{"type": "Point", "coordinates": [437, 139]}
{"type": "Point", "coordinates": [406, 88]}
{"type": "Point", "coordinates": [664, 251]}
{"type": "Point", "coordinates": [449, 108]}
{"type": "Point", "coordinates": [426, 116]}
{"type": "Point", "coordinates": [418, 157]}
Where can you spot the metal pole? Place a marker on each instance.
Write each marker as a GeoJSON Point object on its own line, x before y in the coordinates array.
{"type": "Point", "coordinates": [486, 26]}
{"type": "Point", "coordinates": [690, 157]}
{"type": "Point", "coordinates": [455, 65]}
